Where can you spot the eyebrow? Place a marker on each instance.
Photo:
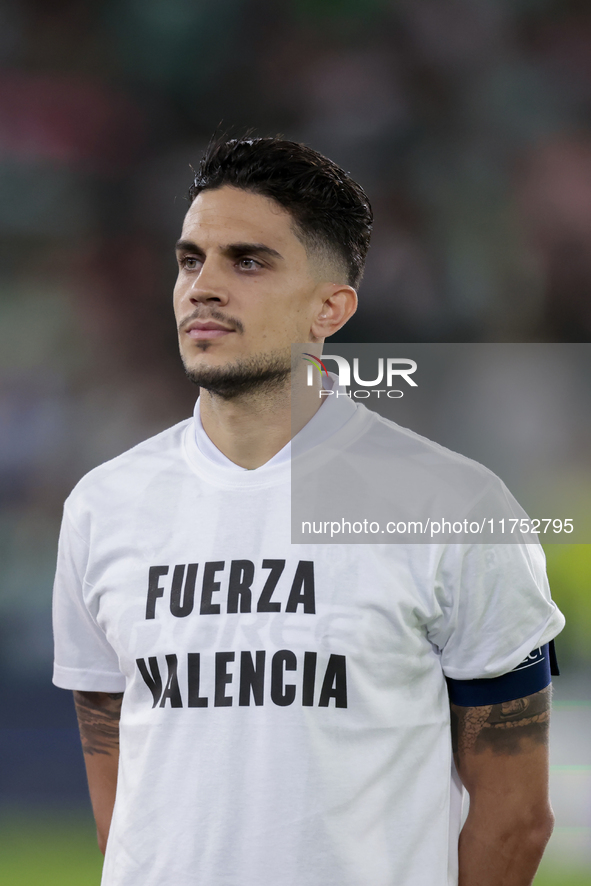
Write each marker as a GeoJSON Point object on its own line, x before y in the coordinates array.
{"type": "Point", "coordinates": [233, 250]}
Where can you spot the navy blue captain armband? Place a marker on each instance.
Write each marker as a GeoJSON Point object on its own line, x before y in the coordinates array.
{"type": "Point", "coordinates": [531, 675]}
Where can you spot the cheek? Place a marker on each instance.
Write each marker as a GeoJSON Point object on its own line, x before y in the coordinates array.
{"type": "Point", "coordinates": [292, 327]}
{"type": "Point", "coordinates": [287, 319]}
{"type": "Point", "coordinates": [177, 295]}
{"type": "Point", "coordinates": [302, 310]}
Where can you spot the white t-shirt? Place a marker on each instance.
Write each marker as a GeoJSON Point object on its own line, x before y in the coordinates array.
{"type": "Point", "coordinates": [285, 718]}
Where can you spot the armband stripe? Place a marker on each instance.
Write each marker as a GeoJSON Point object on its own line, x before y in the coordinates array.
{"type": "Point", "coordinates": [554, 669]}
{"type": "Point", "coordinates": [531, 675]}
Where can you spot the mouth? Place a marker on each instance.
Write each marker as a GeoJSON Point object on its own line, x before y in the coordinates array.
{"type": "Point", "coordinates": [201, 330]}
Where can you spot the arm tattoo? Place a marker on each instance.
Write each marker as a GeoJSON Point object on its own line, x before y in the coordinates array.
{"type": "Point", "coordinates": [502, 728]}
{"type": "Point", "coordinates": [98, 719]}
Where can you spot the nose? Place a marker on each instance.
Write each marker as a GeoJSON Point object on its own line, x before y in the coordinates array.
{"type": "Point", "coordinates": [208, 287]}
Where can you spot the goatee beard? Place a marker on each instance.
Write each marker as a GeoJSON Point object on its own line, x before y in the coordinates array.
{"type": "Point", "coordinates": [263, 373]}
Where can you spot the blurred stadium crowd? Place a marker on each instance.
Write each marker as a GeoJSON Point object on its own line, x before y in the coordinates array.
{"type": "Point", "coordinates": [467, 122]}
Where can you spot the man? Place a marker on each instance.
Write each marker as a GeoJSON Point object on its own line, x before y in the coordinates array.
{"type": "Point", "coordinates": [257, 712]}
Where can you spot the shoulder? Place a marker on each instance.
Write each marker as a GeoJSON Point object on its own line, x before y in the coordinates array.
{"type": "Point", "coordinates": [131, 472]}
{"type": "Point", "coordinates": [417, 461]}
{"type": "Point", "coordinates": [410, 445]}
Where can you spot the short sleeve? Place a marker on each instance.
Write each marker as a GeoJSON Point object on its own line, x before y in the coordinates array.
{"type": "Point", "coordinates": [83, 659]}
{"type": "Point", "coordinates": [493, 608]}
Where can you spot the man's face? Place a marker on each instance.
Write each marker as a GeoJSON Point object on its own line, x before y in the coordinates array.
{"type": "Point", "coordinates": [246, 290]}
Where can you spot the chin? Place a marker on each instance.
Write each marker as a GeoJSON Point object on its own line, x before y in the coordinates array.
{"type": "Point", "coordinates": [203, 356]}
{"type": "Point", "coordinates": [245, 375]}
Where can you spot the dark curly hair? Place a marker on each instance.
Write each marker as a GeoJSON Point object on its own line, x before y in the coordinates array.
{"type": "Point", "coordinates": [331, 212]}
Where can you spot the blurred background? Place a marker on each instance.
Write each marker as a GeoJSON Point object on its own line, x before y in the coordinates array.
{"type": "Point", "coordinates": [468, 122]}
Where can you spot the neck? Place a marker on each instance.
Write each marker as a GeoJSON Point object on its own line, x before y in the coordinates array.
{"type": "Point", "coordinates": [252, 428]}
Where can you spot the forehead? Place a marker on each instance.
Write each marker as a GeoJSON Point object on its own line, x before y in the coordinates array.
{"type": "Point", "coordinates": [229, 214]}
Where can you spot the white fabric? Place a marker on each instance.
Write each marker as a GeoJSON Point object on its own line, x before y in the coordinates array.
{"type": "Point", "coordinates": [326, 422]}
{"type": "Point", "coordinates": [356, 788]}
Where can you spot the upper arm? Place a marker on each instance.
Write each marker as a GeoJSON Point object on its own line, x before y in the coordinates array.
{"type": "Point", "coordinates": [502, 749]}
{"type": "Point", "coordinates": [84, 658]}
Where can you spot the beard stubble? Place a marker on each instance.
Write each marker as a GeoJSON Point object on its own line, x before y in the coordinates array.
{"type": "Point", "coordinates": [259, 374]}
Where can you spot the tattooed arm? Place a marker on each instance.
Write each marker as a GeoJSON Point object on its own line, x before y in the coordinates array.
{"type": "Point", "coordinates": [501, 754]}
{"type": "Point", "coordinates": [98, 720]}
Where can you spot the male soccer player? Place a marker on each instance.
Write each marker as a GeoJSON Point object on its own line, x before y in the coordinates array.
{"type": "Point", "coordinates": [260, 713]}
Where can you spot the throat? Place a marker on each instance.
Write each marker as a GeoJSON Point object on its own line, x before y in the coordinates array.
{"type": "Point", "coordinates": [249, 433]}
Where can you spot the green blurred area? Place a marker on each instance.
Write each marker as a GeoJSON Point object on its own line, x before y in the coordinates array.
{"type": "Point", "coordinates": [54, 849]}
{"type": "Point", "coordinates": [61, 850]}
{"type": "Point", "coordinates": [569, 573]}
{"type": "Point", "coordinates": [555, 877]}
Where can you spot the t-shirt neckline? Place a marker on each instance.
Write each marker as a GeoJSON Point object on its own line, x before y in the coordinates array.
{"type": "Point", "coordinates": [211, 464]}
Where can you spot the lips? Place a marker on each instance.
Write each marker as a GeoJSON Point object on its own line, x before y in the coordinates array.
{"type": "Point", "coordinates": [206, 329]}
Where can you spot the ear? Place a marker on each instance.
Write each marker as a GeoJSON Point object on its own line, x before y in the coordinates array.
{"type": "Point", "coordinates": [338, 302]}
